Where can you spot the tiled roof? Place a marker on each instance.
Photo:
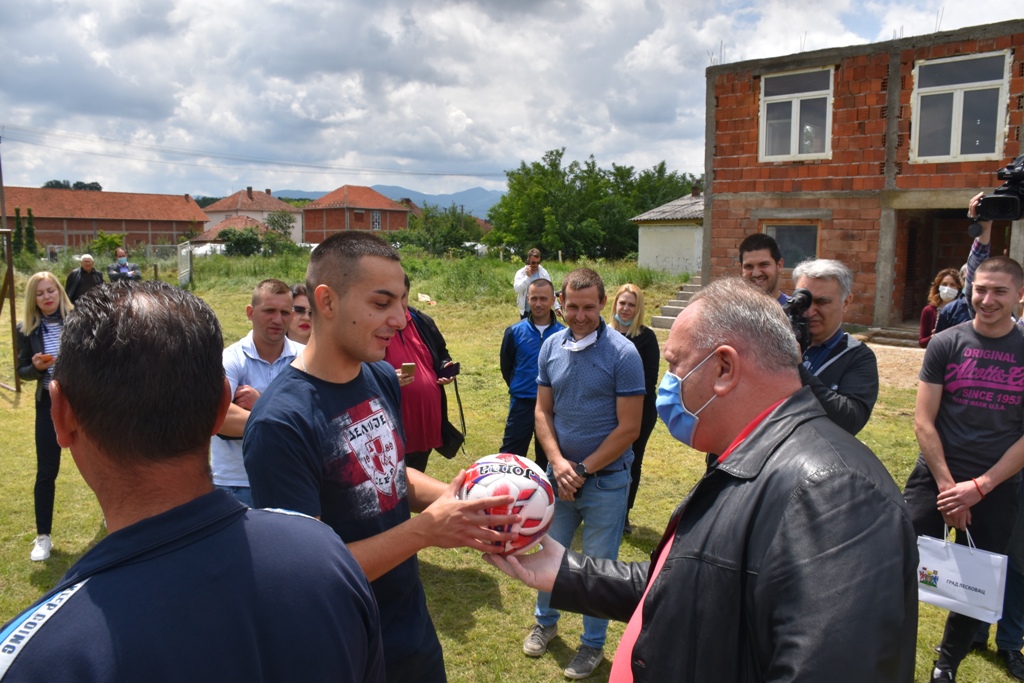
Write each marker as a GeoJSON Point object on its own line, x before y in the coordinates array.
{"type": "Point", "coordinates": [355, 197]}
{"type": "Point", "coordinates": [684, 208]}
{"type": "Point", "coordinates": [247, 200]}
{"type": "Point", "coordinates": [130, 206]}
{"type": "Point", "coordinates": [236, 222]}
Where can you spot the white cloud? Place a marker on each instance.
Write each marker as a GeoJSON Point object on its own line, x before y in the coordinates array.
{"type": "Point", "coordinates": [467, 86]}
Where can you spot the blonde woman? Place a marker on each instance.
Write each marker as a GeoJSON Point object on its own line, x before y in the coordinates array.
{"type": "Point", "coordinates": [628, 318]}
{"type": "Point", "coordinates": [46, 306]}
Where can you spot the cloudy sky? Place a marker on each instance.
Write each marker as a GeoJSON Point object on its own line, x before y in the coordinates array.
{"type": "Point", "coordinates": [206, 97]}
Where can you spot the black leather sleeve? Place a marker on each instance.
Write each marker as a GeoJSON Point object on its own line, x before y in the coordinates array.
{"type": "Point", "coordinates": [606, 589]}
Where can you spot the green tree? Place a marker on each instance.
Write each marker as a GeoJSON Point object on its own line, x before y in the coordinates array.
{"type": "Point", "coordinates": [244, 242]}
{"type": "Point", "coordinates": [441, 231]}
{"type": "Point", "coordinates": [275, 243]}
{"type": "Point", "coordinates": [106, 244]}
{"type": "Point", "coordinates": [30, 234]}
{"type": "Point", "coordinates": [18, 241]}
{"type": "Point", "coordinates": [57, 184]}
{"type": "Point", "coordinates": [92, 187]}
{"type": "Point", "coordinates": [281, 222]}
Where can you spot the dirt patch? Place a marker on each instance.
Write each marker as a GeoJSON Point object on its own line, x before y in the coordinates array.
{"type": "Point", "coordinates": [898, 366]}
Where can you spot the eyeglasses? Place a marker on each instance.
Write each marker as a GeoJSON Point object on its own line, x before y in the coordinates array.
{"type": "Point", "coordinates": [302, 310]}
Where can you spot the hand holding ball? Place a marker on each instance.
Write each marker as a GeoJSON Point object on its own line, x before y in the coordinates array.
{"type": "Point", "coordinates": [506, 474]}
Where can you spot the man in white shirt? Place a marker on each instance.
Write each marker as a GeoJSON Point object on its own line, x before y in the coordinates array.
{"type": "Point", "coordinates": [533, 270]}
{"type": "Point", "coordinates": [250, 365]}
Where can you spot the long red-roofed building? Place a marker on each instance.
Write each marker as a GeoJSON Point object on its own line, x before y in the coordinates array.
{"type": "Point", "coordinates": [72, 218]}
{"type": "Point", "coordinates": [352, 207]}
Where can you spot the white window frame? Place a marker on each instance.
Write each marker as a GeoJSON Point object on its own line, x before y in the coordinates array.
{"type": "Point", "coordinates": [375, 222]}
{"type": "Point", "coordinates": [794, 120]}
{"type": "Point", "coordinates": [958, 91]}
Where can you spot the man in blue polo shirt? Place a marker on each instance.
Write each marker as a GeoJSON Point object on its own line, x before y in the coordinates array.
{"type": "Point", "coordinates": [519, 350]}
{"type": "Point", "coordinates": [250, 364]}
{"type": "Point", "coordinates": [590, 398]}
{"type": "Point", "coordinates": [189, 585]}
{"type": "Point", "coordinates": [840, 370]}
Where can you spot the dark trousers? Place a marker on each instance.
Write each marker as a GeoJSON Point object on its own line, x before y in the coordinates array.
{"type": "Point", "coordinates": [992, 522]}
{"type": "Point", "coordinates": [650, 419]}
{"type": "Point", "coordinates": [519, 430]}
{"type": "Point", "coordinates": [47, 465]}
{"type": "Point", "coordinates": [417, 460]}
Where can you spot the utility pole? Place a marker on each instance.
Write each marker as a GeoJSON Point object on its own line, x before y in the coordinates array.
{"type": "Point", "coordinates": [7, 290]}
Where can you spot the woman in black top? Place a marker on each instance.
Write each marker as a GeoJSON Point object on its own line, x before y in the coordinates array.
{"type": "Point", "coordinates": [628, 316]}
{"type": "Point", "coordinates": [46, 306]}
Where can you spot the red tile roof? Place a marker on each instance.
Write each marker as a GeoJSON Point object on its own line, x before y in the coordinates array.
{"type": "Point", "coordinates": [247, 200]}
{"type": "Point", "coordinates": [236, 222]}
{"type": "Point", "coordinates": [355, 197]}
{"type": "Point", "coordinates": [131, 206]}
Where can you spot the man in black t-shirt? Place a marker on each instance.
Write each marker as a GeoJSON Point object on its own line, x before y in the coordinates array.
{"type": "Point", "coordinates": [969, 421]}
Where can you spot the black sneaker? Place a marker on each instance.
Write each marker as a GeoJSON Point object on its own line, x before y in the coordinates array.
{"type": "Point", "coordinates": [1013, 660]}
{"type": "Point", "coordinates": [627, 528]}
{"type": "Point", "coordinates": [942, 675]}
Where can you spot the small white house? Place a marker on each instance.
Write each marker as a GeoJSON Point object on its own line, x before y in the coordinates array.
{"type": "Point", "coordinates": [672, 235]}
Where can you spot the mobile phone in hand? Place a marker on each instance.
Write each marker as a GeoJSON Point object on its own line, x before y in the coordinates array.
{"type": "Point", "coordinates": [409, 369]}
{"type": "Point", "coordinates": [449, 371]}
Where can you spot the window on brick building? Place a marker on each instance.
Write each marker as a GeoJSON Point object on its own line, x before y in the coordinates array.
{"type": "Point", "coordinates": [798, 240]}
{"type": "Point", "coordinates": [359, 216]}
{"type": "Point", "coordinates": [375, 220]}
{"type": "Point", "coordinates": [796, 116]}
{"type": "Point", "coordinates": [959, 108]}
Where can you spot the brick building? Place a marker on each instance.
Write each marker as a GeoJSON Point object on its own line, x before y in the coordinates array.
{"type": "Point", "coordinates": [352, 207]}
{"type": "Point", "coordinates": [255, 205]}
{"type": "Point", "coordinates": [72, 218]}
{"type": "Point", "coordinates": [867, 154]}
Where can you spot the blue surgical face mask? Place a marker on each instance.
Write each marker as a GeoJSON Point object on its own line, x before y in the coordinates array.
{"type": "Point", "coordinates": [624, 323]}
{"type": "Point", "coordinates": [122, 260]}
{"type": "Point", "coordinates": [677, 417]}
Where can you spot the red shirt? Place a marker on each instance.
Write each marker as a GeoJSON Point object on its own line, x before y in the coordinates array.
{"type": "Point", "coordinates": [421, 400]}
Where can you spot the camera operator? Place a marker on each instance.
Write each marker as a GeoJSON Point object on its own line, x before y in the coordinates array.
{"type": "Point", "coordinates": [960, 310]}
{"type": "Point", "coordinates": [840, 370]}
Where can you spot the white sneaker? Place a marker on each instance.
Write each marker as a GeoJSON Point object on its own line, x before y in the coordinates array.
{"type": "Point", "coordinates": [41, 548]}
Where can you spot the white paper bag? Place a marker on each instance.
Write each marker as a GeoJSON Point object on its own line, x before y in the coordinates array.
{"type": "Point", "coordinates": [961, 578]}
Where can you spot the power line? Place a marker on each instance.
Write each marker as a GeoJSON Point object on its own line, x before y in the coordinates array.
{"type": "Point", "coordinates": [20, 133]}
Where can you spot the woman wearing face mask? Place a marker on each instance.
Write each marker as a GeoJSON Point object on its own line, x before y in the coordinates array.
{"type": "Point", "coordinates": [945, 289]}
{"type": "Point", "coordinates": [46, 306]}
{"type": "Point", "coordinates": [628, 316]}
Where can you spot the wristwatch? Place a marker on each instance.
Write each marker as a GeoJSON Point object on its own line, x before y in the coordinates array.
{"type": "Point", "coordinates": [581, 470]}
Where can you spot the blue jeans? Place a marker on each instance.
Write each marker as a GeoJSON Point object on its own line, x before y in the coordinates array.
{"type": "Point", "coordinates": [519, 429]}
{"type": "Point", "coordinates": [601, 506]}
{"type": "Point", "coordinates": [243, 494]}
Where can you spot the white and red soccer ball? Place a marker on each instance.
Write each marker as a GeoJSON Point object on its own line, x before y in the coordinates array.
{"type": "Point", "coordinates": [507, 474]}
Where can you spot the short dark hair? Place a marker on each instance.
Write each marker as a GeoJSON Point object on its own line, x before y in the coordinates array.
{"type": "Point", "coordinates": [533, 252]}
{"type": "Point", "coordinates": [996, 264]}
{"type": "Point", "coordinates": [335, 261]}
{"type": "Point", "coordinates": [581, 278]}
{"type": "Point", "coordinates": [759, 241]}
{"type": "Point", "coordinates": [267, 287]}
{"type": "Point", "coordinates": [540, 281]}
{"type": "Point", "coordinates": [141, 366]}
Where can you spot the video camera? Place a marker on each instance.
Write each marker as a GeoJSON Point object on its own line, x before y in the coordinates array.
{"type": "Point", "coordinates": [795, 309]}
{"type": "Point", "coordinates": [1005, 202]}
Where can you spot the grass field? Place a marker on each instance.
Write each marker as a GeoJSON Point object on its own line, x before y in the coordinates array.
{"type": "Point", "coordinates": [481, 615]}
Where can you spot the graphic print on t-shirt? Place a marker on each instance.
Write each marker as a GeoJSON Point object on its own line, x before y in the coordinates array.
{"type": "Point", "coordinates": [985, 378]}
{"type": "Point", "coordinates": [369, 435]}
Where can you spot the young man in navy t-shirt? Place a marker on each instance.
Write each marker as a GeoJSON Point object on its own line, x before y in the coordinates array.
{"type": "Point", "coordinates": [325, 439]}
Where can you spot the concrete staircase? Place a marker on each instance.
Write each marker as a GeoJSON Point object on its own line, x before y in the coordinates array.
{"type": "Point", "coordinates": [892, 336]}
{"type": "Point", "coordinates": [671, 309]}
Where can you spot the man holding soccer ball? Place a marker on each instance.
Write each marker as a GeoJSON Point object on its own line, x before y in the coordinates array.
{"type": "Point", "coordinates": [792, 558]}
{"type": "Point", "coordinates": [325, 439]}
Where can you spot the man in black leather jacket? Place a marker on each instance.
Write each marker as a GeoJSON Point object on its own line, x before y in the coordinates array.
{"type": "Point", "coordinates": [793, 558]}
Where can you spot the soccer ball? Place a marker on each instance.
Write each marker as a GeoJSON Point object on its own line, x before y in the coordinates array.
{"type": "Point", "coordinates": [505, 474]}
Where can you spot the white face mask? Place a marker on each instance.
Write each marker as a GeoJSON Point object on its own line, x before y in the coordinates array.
{"type": "Point", "coordinates": [948, 293]}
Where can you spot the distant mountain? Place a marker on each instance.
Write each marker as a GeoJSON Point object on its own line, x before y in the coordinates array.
{"type": "Point", "coordinates": [476, 201]}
